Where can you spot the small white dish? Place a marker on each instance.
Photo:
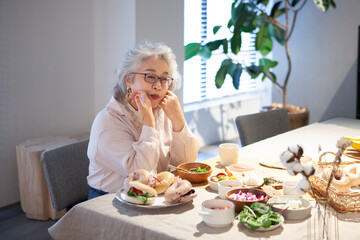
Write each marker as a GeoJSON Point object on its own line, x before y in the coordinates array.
{"type": "Point", "coordinates": [226, 185]}
{"type": "Point", "coordinates": [291, 214]}
{"type": "Point", "coordinates": [218, 212]}
{"type": "Point", "coordinates": [213, 185]}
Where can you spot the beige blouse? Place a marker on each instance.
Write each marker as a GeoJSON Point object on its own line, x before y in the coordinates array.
{"type": "Point", "coordinates": [119, 144]}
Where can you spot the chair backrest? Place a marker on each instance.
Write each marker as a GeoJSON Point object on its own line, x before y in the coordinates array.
{"type": "Point", "coordinates": [66, 169]}
{"type": "Point", "coordinates": [258, 126]}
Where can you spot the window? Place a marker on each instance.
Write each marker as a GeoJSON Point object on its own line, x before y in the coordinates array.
{"type": "Point", "coordinates": [200, 18]}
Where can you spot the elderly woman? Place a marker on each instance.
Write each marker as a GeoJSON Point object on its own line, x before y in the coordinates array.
{"type": "Point", "coordinates": [143, 125]}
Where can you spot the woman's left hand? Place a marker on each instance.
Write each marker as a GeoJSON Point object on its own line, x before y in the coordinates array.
{"type": "Point", "coordinates": [171, 106]}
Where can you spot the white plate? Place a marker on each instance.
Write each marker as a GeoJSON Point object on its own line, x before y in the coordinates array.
{"type": "Point", "coordinates": [272, 227]}
{"type": "Point", "coordinates": [159, 201]}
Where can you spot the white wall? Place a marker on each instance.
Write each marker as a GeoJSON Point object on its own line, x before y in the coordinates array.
{"type": "Point", "coordinates": [324, 53]}
{"type": "Point", "coordinates": [57, 63]}
{"type": "Point", "coordinates": [114, 34]}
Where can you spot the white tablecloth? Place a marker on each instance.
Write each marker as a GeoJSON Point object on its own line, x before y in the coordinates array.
{"type": "Point", "coordinates": [107, 218]}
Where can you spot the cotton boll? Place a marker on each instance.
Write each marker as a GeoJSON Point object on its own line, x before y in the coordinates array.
{"type": "Point", "coordinates": [297, 150]}
{"type": "Point", "coordinates": [299, 190]}
{"type": "Point", "coordinates": [287, 158]}
{"type": "Point", "coordinates": [294, 149]}
{"type": "Point", "coordinates": [300, 152]}
{"type": "Point", "coordinates": [303, 186]}
{"type": "Point", "coordinates": [297, 167]}
{"type": "Point", "coordinates": [291, 171]}
{"type": "Point", "coordinates": [309, 169]}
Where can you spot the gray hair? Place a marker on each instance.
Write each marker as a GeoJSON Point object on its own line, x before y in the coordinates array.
{"type": "Point", "coordinates": [134, 58]}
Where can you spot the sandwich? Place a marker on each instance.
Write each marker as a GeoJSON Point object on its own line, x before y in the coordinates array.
{"type": "Point", "coordinates": [140, 193]}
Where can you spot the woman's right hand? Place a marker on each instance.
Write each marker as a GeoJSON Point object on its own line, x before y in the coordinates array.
{"type": "Point", "coordinates": [144, 106]}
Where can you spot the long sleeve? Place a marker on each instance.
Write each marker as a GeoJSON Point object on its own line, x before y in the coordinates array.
{"type": "Point", "coordinates": [184, 146]}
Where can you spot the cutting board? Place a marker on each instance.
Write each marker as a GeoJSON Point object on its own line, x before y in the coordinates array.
{"type": "Point", "coordinates": [274, 162]}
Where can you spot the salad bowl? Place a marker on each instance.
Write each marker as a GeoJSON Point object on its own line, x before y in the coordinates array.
{"type": "Point", "coordinates": [254, 195]}
{"type": "Point", "coordinates": [197, 171]}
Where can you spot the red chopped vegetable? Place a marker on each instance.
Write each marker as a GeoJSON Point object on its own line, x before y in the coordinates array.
{"type": "Point", "coordinates": [135, 190]}
{"type": "Point", "coordinates": [219, 175]}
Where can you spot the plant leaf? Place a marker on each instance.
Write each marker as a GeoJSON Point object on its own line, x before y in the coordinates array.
{"type": "Point", "coordinates": [266, 63]}
{"type": "Point", "coordinates": [236, 74]}
{"type": "Point", "coordinates": [236, 43]}
{"type": "Point", "coordinates": [278, 33]}
{"type": "Point", "coordinates": [221, 73]}
{"type": "Point", "coordinates": [294, 2]}
{"type": "Point", "coordinates": [253, 71]}
{"type": "Point", "coordinates": [279, 12]}
{"type": "Point", "coordinates": [322, 5]}
{"type": "Point", "coordinates": [259, 40]}
{"type": "Point", "coordinates": [273, 76]}
{"type": "Point", "coordinates": [243, 16]}
{"type": "Point", "coordinates": [266, 47]}
{"type": "Point", "coordinates": [332, 3]}
{"type": "Point", "coordinates": [230, 23]}
{"type": "Point", "coordinates": [214, 44]}
{"type": "Point", "coordinates": [225, 45]}
{"type": "Point", "coordinates": [191, 50]}
{"type": "Point", "coordinates": [204, 52]}
{"type": "Point", "coordinates": [275, 8]}
{"type": "Point", "coordinates": [216, 29]}
{"type": "Point", "coordinates": [263, 42]}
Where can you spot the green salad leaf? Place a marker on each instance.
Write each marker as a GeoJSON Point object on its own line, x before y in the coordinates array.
{"type": "Point", "coordinates": [199, 170]}
{"type": "Point", "coordinates": [142, 197]}
{"type": "Point", "coordinates": [258, 215]}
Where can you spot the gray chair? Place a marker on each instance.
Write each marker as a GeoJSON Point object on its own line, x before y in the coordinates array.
{"type": "Point", "coordinates": [66, 169]}
{"type": "Point", "coordinates": [258, 126]}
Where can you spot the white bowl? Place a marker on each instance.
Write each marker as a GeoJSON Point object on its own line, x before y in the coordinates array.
{"type": "Point", "coordinates": [226, 185]}
{"type": "Point", "coordinates": [291, 214]}
{"type": "Point", "coordinates": [218, 212]}
{"type": "Point", "coordinates": [212, 185]}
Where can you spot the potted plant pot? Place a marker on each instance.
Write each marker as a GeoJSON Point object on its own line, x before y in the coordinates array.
{"type": "Point", "coordinates": [298, 116]}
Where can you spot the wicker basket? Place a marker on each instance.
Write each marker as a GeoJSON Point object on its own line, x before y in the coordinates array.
{"type": "Point", "coordinates": [342, 201]}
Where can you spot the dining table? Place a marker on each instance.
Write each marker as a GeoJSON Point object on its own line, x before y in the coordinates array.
{"type": "Point", "coordinates": [106, 217]}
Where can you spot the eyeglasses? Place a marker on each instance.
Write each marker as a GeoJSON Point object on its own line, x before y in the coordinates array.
{"type": "Point", "coordinates": [152, 78]}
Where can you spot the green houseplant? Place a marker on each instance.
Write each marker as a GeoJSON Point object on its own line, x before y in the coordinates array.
{"type": "Point", "coordinates": [269, 21]}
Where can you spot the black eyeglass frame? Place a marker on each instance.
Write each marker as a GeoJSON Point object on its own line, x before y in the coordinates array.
{"type": "Point", "coordinates": [167, 83]}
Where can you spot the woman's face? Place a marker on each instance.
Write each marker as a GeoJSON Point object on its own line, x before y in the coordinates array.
{"type": "Point", "coordinates": [155, 92]}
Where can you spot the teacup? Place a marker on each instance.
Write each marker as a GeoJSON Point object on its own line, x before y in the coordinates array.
{"type": "Point", "coordinates": [226, 185]}
{"type": "Point", "coordinates": [289, 187]}
{"type": "Point", "coordinates": [228, 153]}
{"type": "Point", "coordinates": [218, 212]}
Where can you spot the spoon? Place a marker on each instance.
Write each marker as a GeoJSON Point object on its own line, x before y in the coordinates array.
{"type": "Point", "coordinates": [181, 169]}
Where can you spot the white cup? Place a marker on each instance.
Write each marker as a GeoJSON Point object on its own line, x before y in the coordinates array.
{"type": "Point", "coordinates": [226, 185]}
{"type": "Point", "coordinates": [218, 212]}
{"type": "Point", "coordinates": [228, 153]}
{"type": "Point", "coordinates": [289, 187]}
